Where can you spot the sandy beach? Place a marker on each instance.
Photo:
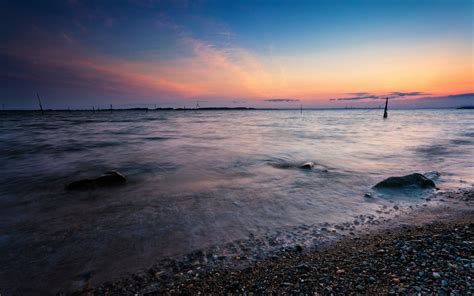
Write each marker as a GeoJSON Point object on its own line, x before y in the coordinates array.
{"type": "Point", "coordinates": [428, 251]}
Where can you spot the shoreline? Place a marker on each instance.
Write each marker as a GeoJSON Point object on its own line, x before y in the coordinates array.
{"type": "Point", "coordinates": [352, 263]}
{"type": "Point", "coordinates": [243, 108]}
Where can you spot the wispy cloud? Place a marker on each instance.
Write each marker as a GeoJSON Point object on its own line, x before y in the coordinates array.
{"type": "Point", "coordinates": [359, 94]}
{"type": "Point", "coordinates": [369, 96]}
{"type": "Point", "coordinates": [281, 100]}
{"type": "Point", "coordinates": [208, 71]}
{"type": "Point", "coordinates": [398, 94]}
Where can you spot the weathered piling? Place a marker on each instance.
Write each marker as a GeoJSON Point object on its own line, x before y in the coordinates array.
{"type": "Point", "coordinates": [40, 105]}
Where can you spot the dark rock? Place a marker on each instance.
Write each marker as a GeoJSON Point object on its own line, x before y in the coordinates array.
{"type": "Point", "coordinates": [152, 289]}
{"type": "Point", "coordinates": [303, 267]}
{"type": "Point", "coordinates": [108, 179]}
{"type": "Point", "coordinates": [234, 286]}
{"type": "Point", "coordinates": [111, 178]}
{"type": "Point", "coordinates": [432, 175]}
{"type": "Point", "coordinates": [307, 165]}
{"type": "Point", "coordinates": [404, 181]}
{"type": "Point", "coordinates": [81, 185]}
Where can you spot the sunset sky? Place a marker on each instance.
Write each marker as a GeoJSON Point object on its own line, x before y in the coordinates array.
{"type": "Point", "coordinates": [136, 53]}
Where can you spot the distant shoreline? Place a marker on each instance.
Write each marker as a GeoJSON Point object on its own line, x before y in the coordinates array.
{"type": "Point", "coordinates": [224, 109]}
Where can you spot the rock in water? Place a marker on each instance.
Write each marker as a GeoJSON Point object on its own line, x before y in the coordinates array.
{"type": "Point", "coordinates": [81, 185]}
{"type": "Point", "coordinates": [409, 180]}
{"type": "Point", "coordinates": [111, 178]}
{"type": "Point", "coordinates": [433, 175]}
{"type": "Point", "coordinates": [108, 179]}
{"type": "Point", "coordinates": [307, 165]}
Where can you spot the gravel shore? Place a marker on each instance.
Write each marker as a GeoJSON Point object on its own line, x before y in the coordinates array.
{"type": "Point", "coordinates": [409, 259]}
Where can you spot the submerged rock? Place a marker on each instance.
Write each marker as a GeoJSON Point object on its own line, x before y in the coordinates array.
{"type": "Point", "coordinates": [307, 165]}
{"type": "Point", "coordinates": [415, 179]}
{"type": "Point", "coordinates": [111, 178]}
{"type": "Point", "coordinates": [432, 175]}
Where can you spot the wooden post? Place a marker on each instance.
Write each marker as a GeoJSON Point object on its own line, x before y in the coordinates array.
{"type": "Point", "coordinates": [385, 114]}
{"type": "Point", "coordinates": [39, 102]}
{"type": "Point", "coordinates": [110, 108]}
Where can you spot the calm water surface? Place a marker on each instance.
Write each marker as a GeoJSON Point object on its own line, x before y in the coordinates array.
{"type": "Point", "coordinates": [198, 179]}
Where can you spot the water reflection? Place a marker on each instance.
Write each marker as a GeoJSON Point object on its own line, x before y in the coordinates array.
{"type": "Point", "coordinates": [202, 178]}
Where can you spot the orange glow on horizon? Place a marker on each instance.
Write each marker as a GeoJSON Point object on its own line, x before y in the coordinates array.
{"type": "Point", "coordinates": [231, 73]}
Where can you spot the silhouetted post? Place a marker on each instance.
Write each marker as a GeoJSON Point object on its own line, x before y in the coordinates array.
{"type": "Point", "coordinates": [111, 108]}
{"type": "Point", "coordinates": [385, 114]}
{"type": "Point", "coordinates": [93, 109]}
{"type": "Point", "coordinates": [301, 108]}
{"type": "Point", "coordinates": [39, 102]}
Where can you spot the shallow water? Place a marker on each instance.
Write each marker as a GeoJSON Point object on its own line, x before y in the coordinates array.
{"type": "Point", "coordinates": [199, 179]}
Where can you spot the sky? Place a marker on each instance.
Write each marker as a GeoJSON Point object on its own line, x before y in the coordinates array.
{"type": "Point", "coordinates": [142, 53]}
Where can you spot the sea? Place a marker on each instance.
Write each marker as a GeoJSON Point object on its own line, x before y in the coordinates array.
{"type": "Point", "coordinates": [203, 180]}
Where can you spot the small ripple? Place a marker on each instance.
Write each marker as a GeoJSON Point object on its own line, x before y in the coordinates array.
{"type": "Point", "coordinates": [433, 150]}
{"type": "Point", "coordinates": [157, 138]}
{"type": "Point", "coordinates": [461, 142]}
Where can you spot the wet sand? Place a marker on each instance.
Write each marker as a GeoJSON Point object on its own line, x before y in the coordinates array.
{"type": "Point", "coordinates": [428, 250]}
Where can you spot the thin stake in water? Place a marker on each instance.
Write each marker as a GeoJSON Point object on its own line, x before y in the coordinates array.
{"type": "Point", "coordinates": [40, 105]}
{"type": "Point", "coordinates": [385, 114]}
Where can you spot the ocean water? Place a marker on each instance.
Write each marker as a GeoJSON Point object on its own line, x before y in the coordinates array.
{"type": "Point", "coordinates": [201, 179]}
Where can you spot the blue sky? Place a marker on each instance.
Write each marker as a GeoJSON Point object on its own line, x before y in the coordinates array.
{"type": "Point", "coordinates": [81, 53]}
